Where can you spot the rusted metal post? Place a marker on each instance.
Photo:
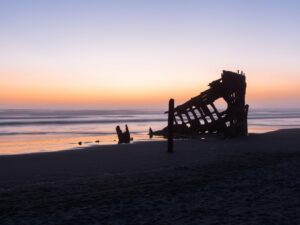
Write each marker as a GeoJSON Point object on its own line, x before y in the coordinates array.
{"type": "Point", "coordinates": [170, 125]}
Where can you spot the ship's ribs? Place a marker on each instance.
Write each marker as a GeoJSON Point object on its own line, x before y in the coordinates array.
{"type": "Point", "coordinates": [200, 114]}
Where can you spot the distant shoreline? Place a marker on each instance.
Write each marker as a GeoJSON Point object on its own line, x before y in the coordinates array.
{"type": "Point", "coordinates": [92, 147]}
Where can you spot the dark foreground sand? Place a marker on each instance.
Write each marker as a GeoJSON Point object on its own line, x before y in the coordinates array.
{"type": "Point", "coordinates": [246, 181]}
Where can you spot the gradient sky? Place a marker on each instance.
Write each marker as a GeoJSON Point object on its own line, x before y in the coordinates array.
{"type": "Point", "coordinates": [140, 53]}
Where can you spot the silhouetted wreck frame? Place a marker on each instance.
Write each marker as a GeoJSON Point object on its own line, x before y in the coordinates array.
{"type": "Point", "coordinates": [200, 115]}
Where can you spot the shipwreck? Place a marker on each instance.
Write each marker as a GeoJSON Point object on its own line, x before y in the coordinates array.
{"type": "Point", "coordinates": [201, 116]}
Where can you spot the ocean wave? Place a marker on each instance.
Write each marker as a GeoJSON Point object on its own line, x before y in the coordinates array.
{"type": "Point", "coordinates": [274, 116]}
{"type": "Point", "coordinates": [74, 113]}
{"type": "Point", "coordinates": [66, 122]}
{"type": "Point", "coordinates": [273, 125]}
{"type": "Point", "coordinates": [61, 133]}
{"type": "Point", "coordinates": [40, 122]}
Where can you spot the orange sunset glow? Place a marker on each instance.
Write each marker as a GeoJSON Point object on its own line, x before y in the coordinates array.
{"type": "Point", "coordinates": [137, 59]}
{"type": "Point", "coordinates": [135, 90]}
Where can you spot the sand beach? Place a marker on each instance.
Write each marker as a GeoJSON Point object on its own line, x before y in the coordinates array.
{"type": "Point", "coordinates": [252, 180]}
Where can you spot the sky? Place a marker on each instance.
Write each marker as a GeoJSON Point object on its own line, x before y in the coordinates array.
{"type": "Point", "coordinates": [87, 53]}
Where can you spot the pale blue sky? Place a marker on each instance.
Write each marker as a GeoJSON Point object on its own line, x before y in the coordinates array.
{"type": "Point", "coordinates": [144, 44]}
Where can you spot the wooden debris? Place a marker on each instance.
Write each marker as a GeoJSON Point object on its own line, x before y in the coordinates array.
{"type": "Point", "coordinates": [170, 125]}
{"type": "Point", "coordinates": [124, 137]}
{"type": "Point", "coordinates": [200, 115]}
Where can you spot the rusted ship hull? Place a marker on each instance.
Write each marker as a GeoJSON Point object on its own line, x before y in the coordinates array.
{"type": "Point", "coordinates": [200, 115]}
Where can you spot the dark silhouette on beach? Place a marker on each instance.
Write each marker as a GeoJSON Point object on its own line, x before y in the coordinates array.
{"type": "Point", "coordinates": [150, 133]}
{"type": "Point", "coordinates": [124, 137]}
{"type": "Point", "coordinates": [200, 115]}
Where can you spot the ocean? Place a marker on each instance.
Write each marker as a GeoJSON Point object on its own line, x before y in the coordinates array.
{"type": "Point", "coordinates": [32, 130]}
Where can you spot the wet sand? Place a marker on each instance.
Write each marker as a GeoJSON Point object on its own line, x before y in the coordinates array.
{"type": "Point", "coordinates": [254, 180]}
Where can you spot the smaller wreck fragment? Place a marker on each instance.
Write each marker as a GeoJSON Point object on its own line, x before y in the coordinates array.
{"type": "Point", "coordinates": [124, 137]}
{"type": "Point", "coordinates": [200, 114]}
